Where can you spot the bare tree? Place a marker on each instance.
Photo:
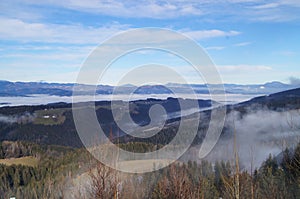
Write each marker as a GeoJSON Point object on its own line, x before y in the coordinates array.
{"type": "Point", "coordinates": [104, 182]}
{"type": "Point", "coordinates": [175, 185]}
{"type": "Point", "coordinates": [232, 184]}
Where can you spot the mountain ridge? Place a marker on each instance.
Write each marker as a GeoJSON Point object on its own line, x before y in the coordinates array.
{"type": "Point", "coordinates": [14, 89]}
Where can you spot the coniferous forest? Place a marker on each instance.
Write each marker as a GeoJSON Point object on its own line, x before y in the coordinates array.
{"type": "Point", "coordinates": [57, 167]}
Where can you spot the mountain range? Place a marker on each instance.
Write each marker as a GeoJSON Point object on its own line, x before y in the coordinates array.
{"type": "Point", "coordinates": [12, 89]}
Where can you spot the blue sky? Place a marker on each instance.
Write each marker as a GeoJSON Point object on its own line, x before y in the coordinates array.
{"type": "Point", "coordinates": [250, 41]}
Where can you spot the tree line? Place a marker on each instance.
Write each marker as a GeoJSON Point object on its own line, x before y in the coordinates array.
{"type": "Point", "coordinates": [275, 178]}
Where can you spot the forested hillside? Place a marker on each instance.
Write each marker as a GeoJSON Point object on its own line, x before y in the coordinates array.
{"type": "Point", "coordinates": [59, 168]}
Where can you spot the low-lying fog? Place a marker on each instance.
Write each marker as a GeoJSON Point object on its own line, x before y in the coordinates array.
{"type": "Point", "coordinates": [258, 133]}
{"type": "Point", "coordinates": [45, 99]}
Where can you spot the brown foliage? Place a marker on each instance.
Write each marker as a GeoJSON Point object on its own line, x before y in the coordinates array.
{"type": "Point", "coordinates": [104, 182]}
{"type": "Point", "coordinates": [175, 185]}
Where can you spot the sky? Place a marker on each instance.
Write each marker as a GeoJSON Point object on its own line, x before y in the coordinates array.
{"type": "Point", "coordinates": [249, 41]}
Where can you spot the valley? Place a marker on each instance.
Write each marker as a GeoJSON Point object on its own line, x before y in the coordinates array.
{"type": "Point", "coordinates": [43, 140]}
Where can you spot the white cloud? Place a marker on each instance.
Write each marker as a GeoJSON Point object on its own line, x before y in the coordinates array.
{"type": "Point", "coordinates": [205, 34]}
{"type": "Point", "coordinates": [215, 48]}
{"type": "Point", "coordinates": [294, 80]}
{"type": "Point", "coordinates": [127, 8]}
{"type": "Point", "coordinates": [43, 58]}
{"type": "Point", "coordinates": [244, 68]}
{"type": "Point", "coordinates": [293, 3]}
{"type": "Point", "coordinates": [53, 57]}
{"type": "Point", "coordinates": [15, 29]}
{"type": "Point", "coordinates": [79, 34]}
{"type": "Point", "coordinates": [158, 9]}
{"type": "Point", "coordinates": [274, 11]}
{"type": "Point", "coordinates": [243, 44]}
{"type": "Point", "coordinates": [266, 6]}
{"type": "Point", "coordinates": [243, 1]}
{"type": "Point", "coordinates": [252, 74]}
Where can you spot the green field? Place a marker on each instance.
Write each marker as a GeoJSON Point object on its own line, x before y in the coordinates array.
{"type": "Point", "coordinates": [141, 166]}
{"type": "Point", "coordinates": [26, 161]}
{"type": "Point", "coordinates": [50, 116]}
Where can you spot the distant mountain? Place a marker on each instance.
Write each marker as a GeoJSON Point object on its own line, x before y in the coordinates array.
{"type": "Point", "coordinates": [30, 88]}
{"type": "Point", "coordinates": [156, 89]}
{"type": "Point", "coordinates": [275, 85]}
